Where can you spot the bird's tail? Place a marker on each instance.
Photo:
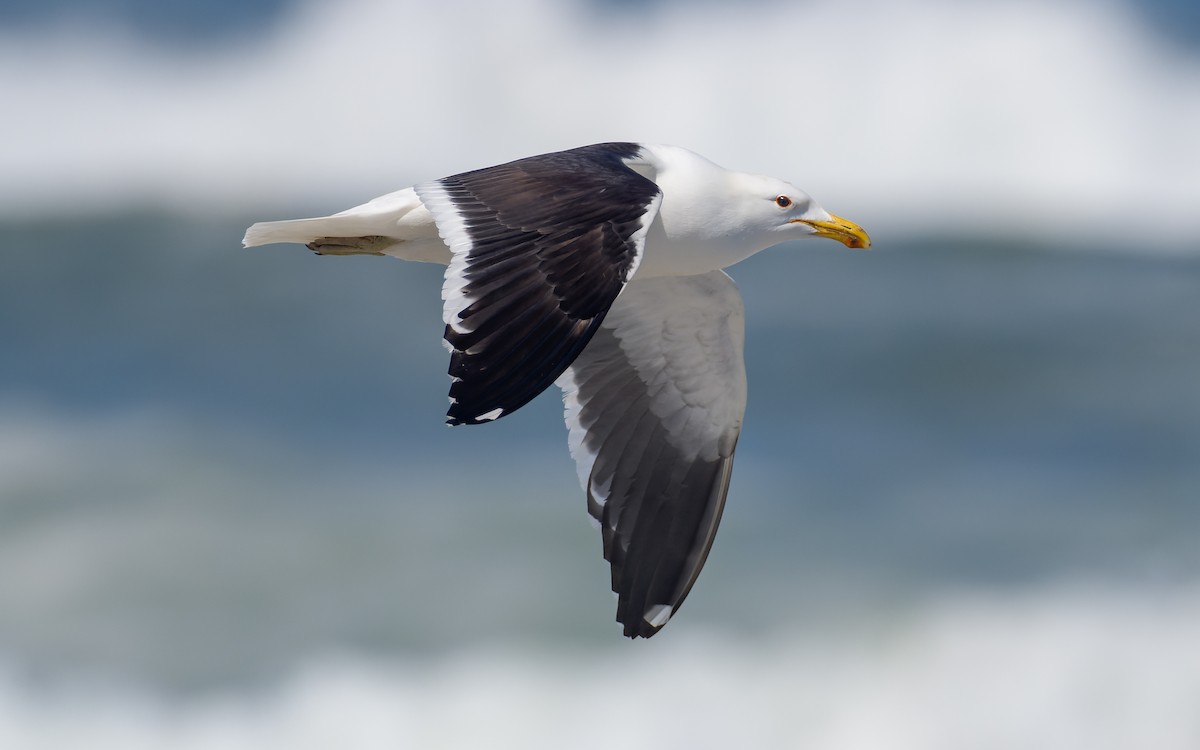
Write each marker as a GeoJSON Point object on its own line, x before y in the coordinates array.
{"type": "Point", "coordinates": [370, 228]}
{"type": "Point", "coordinates": [301, 231]}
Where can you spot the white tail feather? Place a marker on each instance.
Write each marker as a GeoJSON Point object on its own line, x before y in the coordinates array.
{"type": "Point", "coordinates": [301, 231]}
{"type": "Point", "coordinates": [397, 215]}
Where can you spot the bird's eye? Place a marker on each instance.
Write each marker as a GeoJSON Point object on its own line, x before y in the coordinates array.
{"type": "Point", "coordinates": [783, 201]}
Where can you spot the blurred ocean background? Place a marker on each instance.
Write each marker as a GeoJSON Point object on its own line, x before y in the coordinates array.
{"type": "Point", "coordinates": [966, 509]}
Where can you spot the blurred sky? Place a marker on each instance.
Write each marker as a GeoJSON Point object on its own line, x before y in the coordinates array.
{"type": "Point", "coordinates": [1068, 119]}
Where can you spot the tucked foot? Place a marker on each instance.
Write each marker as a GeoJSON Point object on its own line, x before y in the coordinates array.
{"type": "Point", "coordinates": [369, 245]}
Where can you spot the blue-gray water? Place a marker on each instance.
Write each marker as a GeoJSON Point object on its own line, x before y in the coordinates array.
{"type": "Point", "coordinates": [219, 466]}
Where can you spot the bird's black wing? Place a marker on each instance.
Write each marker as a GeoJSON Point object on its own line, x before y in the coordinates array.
{"type": "Point", "coordinates": [540, 249]}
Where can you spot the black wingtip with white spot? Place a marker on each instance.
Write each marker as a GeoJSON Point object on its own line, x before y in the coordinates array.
{"type": "Point", "coordinates": [650, 622]}
{"type": "Point", "coordinates": [533, 351]}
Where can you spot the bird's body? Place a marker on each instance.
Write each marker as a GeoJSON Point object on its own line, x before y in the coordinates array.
{"type": "Point", "coordinates": [599, 268]}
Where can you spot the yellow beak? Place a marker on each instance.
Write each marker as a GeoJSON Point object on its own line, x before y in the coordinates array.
{"type": "Point", "coordinates": [846, 232]}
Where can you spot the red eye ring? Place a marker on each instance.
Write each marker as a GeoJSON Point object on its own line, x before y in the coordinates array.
{"type": "Point", "coordinates": [783, 201]}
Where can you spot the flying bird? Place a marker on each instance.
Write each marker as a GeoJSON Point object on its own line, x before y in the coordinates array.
{"type": "Point", "coordinates": [599, 269]}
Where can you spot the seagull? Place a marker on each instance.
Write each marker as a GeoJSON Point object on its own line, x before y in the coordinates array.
{"type": "Point", "coordinates": [599, 269]}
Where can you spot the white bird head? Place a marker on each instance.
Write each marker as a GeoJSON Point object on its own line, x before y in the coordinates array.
{"type": "Point", "coordinates": [789, 213]}
{"type": "Point", "coordinates": [712, 217]}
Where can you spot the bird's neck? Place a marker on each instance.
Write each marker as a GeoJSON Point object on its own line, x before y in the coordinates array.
{"type": "Point", "coordinates": [681, 248]}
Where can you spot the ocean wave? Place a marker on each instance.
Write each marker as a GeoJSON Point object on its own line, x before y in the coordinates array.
{"type": "Point", "coordinates": [1051, 669]}
{"type": "Point", "coordinates": [155, 545]}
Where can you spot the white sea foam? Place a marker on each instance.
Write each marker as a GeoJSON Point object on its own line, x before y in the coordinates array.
{"type": "Point", "coordinates": [1047, 671]}
{"type": "Point", "coordinates": [1064, 118]}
